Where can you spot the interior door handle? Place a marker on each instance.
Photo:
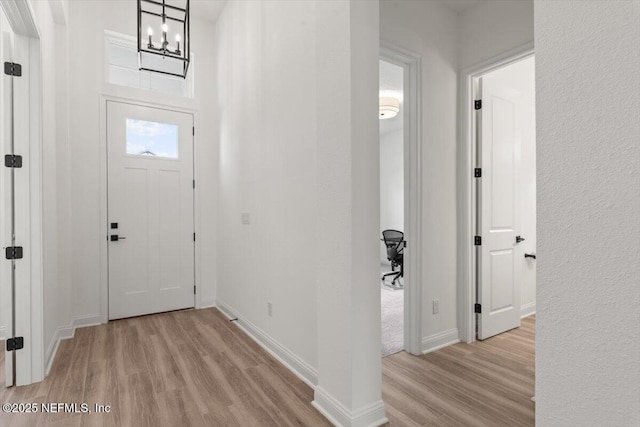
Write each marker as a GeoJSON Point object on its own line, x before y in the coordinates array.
{"type": "Point", "coordinates": [530, 256]}
{"type": "Point", "coordinates": [115, 237]}
{"type": "Point", "coordinates": [519, 239]}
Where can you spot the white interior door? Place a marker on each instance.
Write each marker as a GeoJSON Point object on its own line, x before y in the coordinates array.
{"type": "Point", "coordinates": [500, 260]}
{"type": "Point", "coordinates": [6, 189]}
{"type": "Point", "coordinates": [150, 210]}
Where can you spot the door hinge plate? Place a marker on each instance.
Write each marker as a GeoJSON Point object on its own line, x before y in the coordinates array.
{"type": "Point", "coordinates": [477, 173]}
{"type": "Point", "coordinates": [477, 308]}
{"type": "Point", "coordinates": [13, 161]}
{"type": "Point", "coordinates": [477, 104]}
{"type": "Point", "coordinates": [16, 343]}
{"type": "Point", "coordinates": [12, 69]}
{"type": "Point", "coordinates": [193, 131]}
{"type": "Point", "coordinates": [194, 289]}
{"type": "Point", "coordinates": [477, 240]}
{"type": "Point", "coordinates": [13, 252]}
{"type": "Point", "coordinates": [194, 237]}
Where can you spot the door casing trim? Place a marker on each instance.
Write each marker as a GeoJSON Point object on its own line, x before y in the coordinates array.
{"type": "Point", "coordinates": [103, 230]}
{"type": "Point", "coordinates": [466, 291]}
{"type": "Point", "coordinates": [411, 63]}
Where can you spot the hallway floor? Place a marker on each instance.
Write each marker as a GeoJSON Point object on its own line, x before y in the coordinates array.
{"type": "Point", "coordinates": [487, 383]}
{"type": "Point", "coordinates": [195, 368]}
{"type": "Point", "coordinates": [184, 368]}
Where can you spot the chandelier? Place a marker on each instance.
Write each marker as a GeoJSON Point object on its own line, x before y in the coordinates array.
{"type": "Point", "coordinates": [163, 36]}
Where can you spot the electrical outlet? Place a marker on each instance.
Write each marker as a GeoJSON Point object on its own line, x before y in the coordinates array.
{"type": "Point", "coordinates": [270, 308]}
{"type": "Point", "coordinates": [436, 306]}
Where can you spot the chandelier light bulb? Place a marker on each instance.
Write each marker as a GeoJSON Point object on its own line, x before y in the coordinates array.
{"type": "Point", "coordinates": [165, 28]}
{"type": "Point", "coordinates": [178, 38]}
{"type": "Point", "coordinates": [150, 31]}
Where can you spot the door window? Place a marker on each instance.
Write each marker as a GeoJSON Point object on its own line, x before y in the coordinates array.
{"type": "Point", "coordinates": [152, 139]}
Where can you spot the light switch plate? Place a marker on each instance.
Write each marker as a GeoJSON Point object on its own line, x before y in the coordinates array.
{"type": "Point", "coordinates": [246, 218]}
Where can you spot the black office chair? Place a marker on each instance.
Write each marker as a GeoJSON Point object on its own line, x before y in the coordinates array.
{"type": "Point", "coordinates": [394, 241]}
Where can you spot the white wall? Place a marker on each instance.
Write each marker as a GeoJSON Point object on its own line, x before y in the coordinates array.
{"type": "Point", "coordinates": [588, 104]}
{"type": "Point", "coordinates": [391, 184]}
{"type": "Point", "coordinates": [266, 78]}
{"type": "Point", "coordinates": [87, 22]}
{"type": "Point", "coordinates": [56, 207]}
{"type": "Point", "coordinates": [298, 114]}
{"type": "Point", "coordinates": [493, 27]}
{"type": "Point", "coordinates": [429, 29]}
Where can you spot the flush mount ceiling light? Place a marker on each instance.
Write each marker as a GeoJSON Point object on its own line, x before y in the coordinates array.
{"type": "Point", "coordinates": [389, 107]}
{"type": "Point", "coordinates": [168, 53]}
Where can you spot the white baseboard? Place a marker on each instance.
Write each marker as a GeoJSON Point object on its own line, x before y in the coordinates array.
{"type": "Point", "coordinates": [528, 310]}
{"type": "Point", "coordinates": [339, 416]}
{"type": "Point", "coordinates": [66, 332]}
{"type": "Point", "coordinates": [296, 365]}
{"type": "Point", "coordinates": [440, 340]}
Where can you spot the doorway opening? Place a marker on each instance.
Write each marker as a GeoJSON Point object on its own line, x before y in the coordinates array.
{"type": "Point", "coordinates": [403, 85]}
{"type": "Point", "coordinates": [392, 229]}
{"type": "Point", "coordinates": [503, 191]}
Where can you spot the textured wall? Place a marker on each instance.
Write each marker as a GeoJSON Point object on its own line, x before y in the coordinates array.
{"type": "Point", "coordinates": [588, 106]}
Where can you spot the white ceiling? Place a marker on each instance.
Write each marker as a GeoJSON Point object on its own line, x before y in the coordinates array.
{"type": "Point", "coordinates": [391, 84]}
{"type": "Point", "coordinates": [208, 10]}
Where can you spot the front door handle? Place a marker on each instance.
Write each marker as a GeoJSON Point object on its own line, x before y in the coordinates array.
{"type": "Point", "coordinates": [115, 237]}
{"type": "Point", "coordinates": [519, 239]}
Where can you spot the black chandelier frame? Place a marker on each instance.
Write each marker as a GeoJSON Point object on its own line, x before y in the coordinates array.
{"type": "Point", "coordinates": [178, 54]}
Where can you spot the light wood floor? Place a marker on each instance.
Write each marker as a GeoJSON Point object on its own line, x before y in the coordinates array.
{"type": "Point", "coordinates": [186, 368]}
{"type": "Point", "coordinates": [195, 368]}
{"type": "Point", "coordinates": [487, 383]}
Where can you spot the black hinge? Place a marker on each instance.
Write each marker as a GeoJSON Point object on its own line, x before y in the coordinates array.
{"type": "Point", "coordinates": [477, 240]}
{"type": "Point", "coordinates": [13, 161]}
{"type": "Point", "coordinates": [194, 237]}
{"type": "Point", "coordinates": [193, 131]}
{"type": "Point", "coordinates": [477, 104]}
{"type": "Point", "coordinates": [16, 343]}
{"type": "Point", "coordinates": [477, 172]}
{"type": "Point", "coordinates": [194, 183]}
{"type": "Point", "coordinates": [13, 252]}
{"type": "Point", "coordinates": [194, 289]}
{"type": "Point", "coordinates": [12, 69]}
{"type": "Point", "coordinates": [477, 308]}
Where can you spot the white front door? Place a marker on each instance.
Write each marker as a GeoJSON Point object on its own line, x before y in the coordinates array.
{"type": "Point", "coordinates": [150, 210]}
{"type": "Point", "coordinates": [500, 260]}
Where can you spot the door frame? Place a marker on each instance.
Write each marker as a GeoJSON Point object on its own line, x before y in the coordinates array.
{"type": "Point", "coordinates": [467, 266]}
{"type": "Point", "coordinates": [411, 63]}
{"type": "Point", "coordinates": [104, 197]}
{"type": "Point", "coordinates": [29, 307]}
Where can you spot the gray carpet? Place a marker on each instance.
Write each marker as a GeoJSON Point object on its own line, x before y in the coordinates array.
{"type": "Point", "coordinates": [392, 320]}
